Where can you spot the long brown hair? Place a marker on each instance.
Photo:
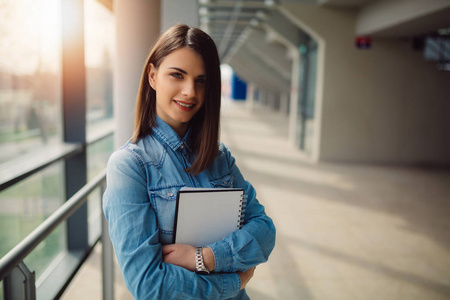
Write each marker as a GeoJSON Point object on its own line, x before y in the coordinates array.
{"type": "Point", "coordinates": [203, 138]}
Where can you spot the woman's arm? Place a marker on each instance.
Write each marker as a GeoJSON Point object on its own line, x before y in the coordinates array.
{"type": "Point", "coordinates": [252, 244]}
{"type": "Point", "coordinates": [134, 234]}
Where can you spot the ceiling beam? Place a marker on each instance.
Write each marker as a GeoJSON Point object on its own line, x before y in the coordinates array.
{"type": "Point", "coordinates": [386, 17]}
{"type": "Point", "coordinates": [259, 70]}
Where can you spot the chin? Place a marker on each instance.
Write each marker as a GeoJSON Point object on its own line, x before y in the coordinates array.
{"type": "Point", "coordinates": [184, 118]}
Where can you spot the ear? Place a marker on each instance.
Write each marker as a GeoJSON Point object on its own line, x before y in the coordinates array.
{"type": "Point", "coordinates": [152, 72]}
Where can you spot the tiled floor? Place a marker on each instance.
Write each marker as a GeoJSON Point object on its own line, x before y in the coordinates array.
{"type": "Point", "coordinates": [344, 231]}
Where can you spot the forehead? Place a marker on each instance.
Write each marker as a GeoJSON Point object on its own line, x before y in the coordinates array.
{"type": "Point", "coordinates": [186, 59]}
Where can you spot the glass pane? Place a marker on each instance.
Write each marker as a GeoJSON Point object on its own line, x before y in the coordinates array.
{"type": "Point", "coordinates": [98, 154]}
{"type": "Point", "coordinates": [94, 215]}
{"type": "Point", "coordinates": [99, 45]}
{"type": "Point", "coordinates": [47, 252]}
{"type": "Point", "coordinates": [30, 76]}
{"type": "Point", "coordinates": [24, 206]}
{"type": "Point", "coordinates": [306, 101]}
{"type": "Point", "coordinates": [311, 80]}
{"type": "Point", "coordinates": [97, 157]}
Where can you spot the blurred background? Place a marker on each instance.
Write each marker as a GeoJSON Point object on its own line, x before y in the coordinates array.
{"type": "Point", "coordinates": [338, 111]}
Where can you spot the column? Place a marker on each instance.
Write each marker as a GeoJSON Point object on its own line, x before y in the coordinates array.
{"type": "Point", "coordinates": [138, 27]}
{"type": "Point", "coordinates": [175, 12]}
{"type": "Point", "coordinates": [250, 102]}
{"type": "Point", "coordinates": [284, 105]}
{"type": "Point", "coordinates": [293, 111]}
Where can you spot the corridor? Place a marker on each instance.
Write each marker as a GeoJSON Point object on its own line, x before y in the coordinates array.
{"type": "Point", "coordinates": [344, 231]}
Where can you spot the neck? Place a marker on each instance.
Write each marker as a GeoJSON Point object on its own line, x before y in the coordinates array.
{"type": "Point", "coordinates": [180, 130]}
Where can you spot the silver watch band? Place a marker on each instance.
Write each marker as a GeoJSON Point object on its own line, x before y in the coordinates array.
{"type": "Point", "coordinates": [200, 267]}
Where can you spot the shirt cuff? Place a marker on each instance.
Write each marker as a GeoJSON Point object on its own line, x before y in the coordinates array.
{"type": "Point", "coordinates": [223, 256]}
{"type": "Point", "coordinates": [231, 285]}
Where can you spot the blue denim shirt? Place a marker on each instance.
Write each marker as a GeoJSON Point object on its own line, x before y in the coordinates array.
{"type": "Point", "coordinates": [139, 204]}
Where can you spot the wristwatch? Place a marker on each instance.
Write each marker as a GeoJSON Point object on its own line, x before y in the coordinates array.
{"type": "Point", "coordinates": [199, 264]}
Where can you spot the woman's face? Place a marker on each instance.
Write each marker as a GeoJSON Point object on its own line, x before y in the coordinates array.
{"type": "Point", "coordinates": [179, 83]}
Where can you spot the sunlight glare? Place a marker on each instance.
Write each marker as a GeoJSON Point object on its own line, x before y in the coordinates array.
{"type": "Point", "coordinates": [29, 36]}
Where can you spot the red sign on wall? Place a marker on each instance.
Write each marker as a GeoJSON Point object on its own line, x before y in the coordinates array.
{"type": "Point", "coordinates": [363, 42]}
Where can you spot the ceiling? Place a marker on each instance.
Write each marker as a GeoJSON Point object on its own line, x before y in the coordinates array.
{"type": "Point", "coordinates": [227, 20]}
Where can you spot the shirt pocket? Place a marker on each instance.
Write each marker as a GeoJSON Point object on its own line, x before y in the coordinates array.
{"type": "Point", "coordinates": [164, 204]}
{"type": "Point", "coordinates": [223, 182]}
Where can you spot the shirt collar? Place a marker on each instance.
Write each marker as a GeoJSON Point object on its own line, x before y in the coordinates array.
{"type": "Point", "coordinates": [168, 136]}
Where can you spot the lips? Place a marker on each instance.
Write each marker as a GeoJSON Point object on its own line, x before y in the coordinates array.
{"type": "Point", "coordinates": [185, 106]}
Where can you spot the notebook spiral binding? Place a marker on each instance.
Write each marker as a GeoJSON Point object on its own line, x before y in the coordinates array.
{"type": "Point", "coordinates": [242, 210]}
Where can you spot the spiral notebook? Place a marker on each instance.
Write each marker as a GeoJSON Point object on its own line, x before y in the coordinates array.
{"type": "Point", "coordinates": [204, 216]}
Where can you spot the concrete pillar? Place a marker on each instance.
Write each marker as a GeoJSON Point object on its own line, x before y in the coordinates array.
{"type": "Point", "coordinates": [262, 97]}
{"type": "Point", "coordinates": [284, 105]}
{"type": "Point", "coordinates": [175, 12]}
{"type": "Point", "coordinates": [250, 102]}
{"type": "Point", "coordinates": [272, 100]}
{"type": "Point", "coordinates": [295, 90]}
{"type": "Point", "coordinates": [137, 27]}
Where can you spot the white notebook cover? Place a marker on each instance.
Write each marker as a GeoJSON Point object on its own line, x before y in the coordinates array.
{"type": "Point", "coordinates": [204, 216]}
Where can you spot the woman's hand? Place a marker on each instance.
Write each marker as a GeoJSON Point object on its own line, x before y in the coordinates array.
{"type": "Point", "coordinates": [246, 276]}
{"type": "Point", "coordinates": [179, 255]}
{"type": "Point", "coordinates": [184, 256]}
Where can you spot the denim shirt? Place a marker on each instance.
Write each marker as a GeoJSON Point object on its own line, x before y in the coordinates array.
{"type": "Point", "coordinates": [139, 203]}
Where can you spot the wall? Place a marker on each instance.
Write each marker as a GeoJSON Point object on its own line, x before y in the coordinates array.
{"type": "Point", "coordinates": [383, 105]}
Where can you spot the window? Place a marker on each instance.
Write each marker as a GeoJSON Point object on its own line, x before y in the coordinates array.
{"type": "Point", "coordinates": [97, 156]}
{"type": "Point", "coordinates": [30, 76]}
{"type": "Point", "coordinates": [30, 121]}
{"type": "Point", "coordinates": [27, 204]}
{"type": "Point", "coordinates": [31, 128]}
{"type": "Point", "coordinates": [99, 45]}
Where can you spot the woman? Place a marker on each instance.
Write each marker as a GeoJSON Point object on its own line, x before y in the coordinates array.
{"type": "Point", "coordinates": [175, 144]}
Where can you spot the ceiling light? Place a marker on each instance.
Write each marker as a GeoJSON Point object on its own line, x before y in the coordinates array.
{"type": "Point", "coordinates": [269, 3]}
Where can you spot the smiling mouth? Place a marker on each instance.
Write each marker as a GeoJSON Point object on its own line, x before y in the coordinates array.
{"type": "Point", "coordinates": [184, 104]}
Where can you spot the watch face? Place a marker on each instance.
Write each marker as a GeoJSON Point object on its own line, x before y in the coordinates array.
{"type": "Point", "coordinates": [202, 272]}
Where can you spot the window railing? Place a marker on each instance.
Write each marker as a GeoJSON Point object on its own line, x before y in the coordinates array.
{"type": "Point", "coordinates": [19, 281]}
{"type": "Point", "coordinates": [36, 178]}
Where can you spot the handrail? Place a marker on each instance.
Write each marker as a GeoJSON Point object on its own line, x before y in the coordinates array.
{"type": "Point", "coordinates": [21, 250]}
{"type": "Point", "coordinates": [23, 167]}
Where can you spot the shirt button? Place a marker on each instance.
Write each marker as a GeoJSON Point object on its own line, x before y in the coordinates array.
{"type": "Point", "coordinates": [182, 147]}
{"type": "Point", "coordinates": [170, 194]}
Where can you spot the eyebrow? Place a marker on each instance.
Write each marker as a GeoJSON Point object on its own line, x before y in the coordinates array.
{"type": "Point", "coordinates": [184, 72]}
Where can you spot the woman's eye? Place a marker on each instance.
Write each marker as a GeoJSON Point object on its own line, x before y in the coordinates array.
{"type": "Point", "coordinates": [176, 75]}
{"type": "Point", "coordinates": [201, 80]}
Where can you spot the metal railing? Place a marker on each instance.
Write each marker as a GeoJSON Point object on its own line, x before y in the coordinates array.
{"type": "Point", "coordinates": [19, 281]}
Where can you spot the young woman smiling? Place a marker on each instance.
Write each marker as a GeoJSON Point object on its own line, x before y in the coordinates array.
{"type": "Point", "coordinates": [176, 144]}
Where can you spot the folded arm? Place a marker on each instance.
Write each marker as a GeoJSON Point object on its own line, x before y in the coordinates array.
{"type": "Point", "coordinates": [134, 234]}
{"type": "Point", "coordinates": [253, 243]}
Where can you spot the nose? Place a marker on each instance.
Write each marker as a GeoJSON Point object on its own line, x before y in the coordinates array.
{"type": "Point", "coordinates": [189, 89]}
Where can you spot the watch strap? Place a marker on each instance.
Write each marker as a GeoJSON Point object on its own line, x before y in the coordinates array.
{"type": "Point", "coordinates": [200, 267]}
